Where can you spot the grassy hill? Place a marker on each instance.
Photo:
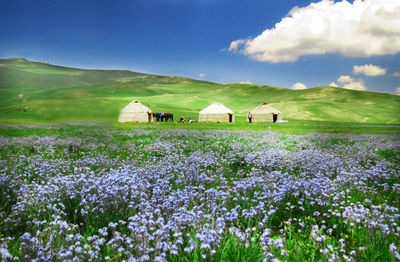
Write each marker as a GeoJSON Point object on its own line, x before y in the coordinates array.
{"type": "Point", "coordinates": [34, 91]}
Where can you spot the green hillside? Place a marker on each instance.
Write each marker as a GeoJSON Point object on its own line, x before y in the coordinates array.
{"type": "Point", "coordinates": [34, 91]}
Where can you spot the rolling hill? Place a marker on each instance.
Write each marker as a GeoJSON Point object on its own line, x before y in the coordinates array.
{"type": "Point", "coordinates": [35, 91]}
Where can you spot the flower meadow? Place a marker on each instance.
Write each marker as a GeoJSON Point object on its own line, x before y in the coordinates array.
{"type": "Point", "coordinates": [101, 193]}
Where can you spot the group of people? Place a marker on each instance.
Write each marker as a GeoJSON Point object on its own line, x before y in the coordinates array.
{"type": "Point", "coordinates": [182, 120]}
{"type": "Point", "coordinates": [163, 117]}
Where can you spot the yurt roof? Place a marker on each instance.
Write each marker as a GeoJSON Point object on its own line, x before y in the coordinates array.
{"type": "Point", "coordinates": [135, 107]}
{"type": "Point", "coordinates": [264, 109]}
{"type": "Point", "coordinates": [216, 108]}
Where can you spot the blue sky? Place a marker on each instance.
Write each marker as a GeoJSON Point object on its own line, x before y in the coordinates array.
{"type": "Point", "coordinates": [214, 40]}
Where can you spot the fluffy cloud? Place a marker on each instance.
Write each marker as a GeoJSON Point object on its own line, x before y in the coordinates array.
{"type": "Point", "coordinates": [351, 83]}
{"type": "Point", "coordinates": [359, 29]}
{"type": "Point", "coordinates": [345, 79]}
{"type": "Point", "coordinates": [333, 84]}
{"type": "Point", "coordinates": [398, 91]}
{"type": "Point", "coordinates": [202, 75]}
{"type": "Point", "coordinates": [246, 82]}
{"type": "Point", "coordinates": [396, 74]}
{"type": "Point", "coordinates": [236, 44]}
{"type": "Point", "coordinates": [369, 70]}
{"type": "Point", "coordinates": [356, 85]}
{"type": "Point", "coordinates": [298, 86]}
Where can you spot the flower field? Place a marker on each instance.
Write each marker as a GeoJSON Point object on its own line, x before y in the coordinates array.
{"type": "Point", "coordinates": [101, 193]}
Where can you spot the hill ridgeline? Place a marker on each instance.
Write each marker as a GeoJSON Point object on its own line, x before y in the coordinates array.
{"type": "Point", "coordinates": [35, 91]}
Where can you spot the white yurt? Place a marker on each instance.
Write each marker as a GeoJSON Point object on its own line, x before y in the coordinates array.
{"type": "Point", "coordinates": [216, 112]}
{"type": "Point", "coordinates": [135, 112]}
{"type": "Point", "coordinates": [265, 113]}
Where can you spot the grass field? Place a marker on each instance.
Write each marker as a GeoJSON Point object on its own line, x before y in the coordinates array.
{"type": "Point", "coordinates": [103, 192]}
{"type": "Point", "coordinates": [293, 127]}
{"type": "Point", "coordinates": [39, 92]}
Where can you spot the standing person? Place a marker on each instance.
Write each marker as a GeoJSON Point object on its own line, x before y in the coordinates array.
{"type": "Point", "coordinates": [250, 117]}
{"type": "Point", "coordinates": [162, 116]}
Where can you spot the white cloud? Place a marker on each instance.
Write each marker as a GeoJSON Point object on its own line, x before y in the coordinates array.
{"type": "Point", "coordinates": [359, 29]}
{"type": "Point", "coordinates": [356, 85]}
{"type": "Point", "coordinates": [369, 70]}
{"type": "Point", "coordinates": [202, 75]}
{"type": "Point", "coordinates": [345, 79]}
{"type": "Point", "coordinates": [351, 83]}
{"type": "Point", "coordinates": [298, 86]}
{"type": "Point", "coordinates": [246, 82]}
{"type": "Point", "coordinates": [396, 74]}
{"type": "Point", "coordinates": [333, 84]}
{"type": "Point", "coordinates": [235, 44]}
{"type": "Point", "coordinates": [398, 91]}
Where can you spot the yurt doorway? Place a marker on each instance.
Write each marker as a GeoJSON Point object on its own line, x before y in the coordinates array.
{"type": "Point", "coordinates": [230, 118]}
{"type": "Point", "coordinates": [150, 116]}
{"type": "Point", "coordinates": [275, 117]}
